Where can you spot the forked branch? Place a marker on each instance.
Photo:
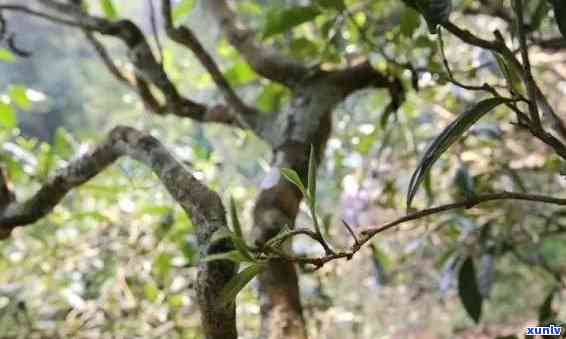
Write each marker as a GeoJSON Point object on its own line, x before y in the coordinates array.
{"type": "Point", "coordinates": [201, 204]}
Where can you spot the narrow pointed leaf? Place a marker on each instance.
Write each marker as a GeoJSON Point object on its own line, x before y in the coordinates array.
{"type": "Point", "coordinates": [559, 7]}
{"type": "Point", "coordinates": [7, 116]}
{"type": "Point", "coordinates": [109, 9]}
{"type": "Point", "coordinates": [468, 290]}
{"type": "Point", "coordinates": [435, 12]}
{"type": "Point", "coordinates": [7, 56]}
{"type": "Point", "coordinates": [293, 177]}
{"type": "Point", "coordinates": [279, 20]}
{"type": "Point", "coordinates": [18, 94]}
{"type": "Point", "coordinates": [448, 136]}
{"type": "Point", "coordinates": [511, 74]}
{"type": "Point", "coordinates": [235, 220]}
{"type": "Point", "coordinates": [182, 10]}
{"type": "Point", "coordinates": [220, 234]}
{"type": "Point", "coordinates": [545, 312]}
{"type": "Point", "coordinates": [241, 246]}
{"type": "Point", "coordinates": [238, 282]}
{"type": "Point", "coordinates": [234, 256]}
{"type": "Point", "coordinates": [312, 177]}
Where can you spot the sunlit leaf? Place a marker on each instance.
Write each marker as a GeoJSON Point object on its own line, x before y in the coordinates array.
{"type": "Point", "coordinates": [151, 292]}
{"type": "Point", "coordinates": [108, 9]}
{"type": "Point", "coordinates": [468, 290]}
{"type": "Point", "coordinates": [443, 141]}
{"type": "Point", "coordinates": [18, 94]}
{"type": "Point", "coordinates": [269, 99]}
{"type": "Point", "coordinates": [7, 116]}
{"type": "Point", "coordinates": [182, 10]}
{"type": "Point", "coordinates": [282, 20]}
{"type": "Point", "coordinates": [238, 282]}
{"type": "Point", "coordinates": [162, 266]}
{"type": "Point", "coordinates": [7, 56]}
{"type": "Point", "coordinates": [240, 74]}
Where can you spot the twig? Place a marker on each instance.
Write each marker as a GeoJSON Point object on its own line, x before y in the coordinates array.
{"type": "Point", "coordinates": [184, 36]}
{"type": "Point", "coordinates": [155, 31]}
{"type": "Point", "coordinates": [484, 87]}
{"type": "Point", "coordinates": [366, 235]}
{"type": "Point", "coordinates": [529, 80]}
{"type": "Point", "coordinates": [352, 233]}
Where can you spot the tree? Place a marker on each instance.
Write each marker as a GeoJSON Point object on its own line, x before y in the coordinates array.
{"type": "Point", "coordinates": [296, 131]}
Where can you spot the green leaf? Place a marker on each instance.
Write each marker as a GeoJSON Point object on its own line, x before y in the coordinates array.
{"type": "Point", "coordinates": [333, 4]}
{"type": "Point", "coordinates": [7, 56]}
{"type": "Point", "coordinates": [240, 74]}
{"type": "Point", "coordinates": [235, 220]}
{"type": "Point", "coordinates": [468, 290]}
{"type": "Point", "coordinates": [269, 100]}
{"type": "Point", "coordinates": [220, 234]}
{"type": "Point", "coordinates": [235, 256]}
{"type": "Point", "coordinates": [282, 20]}
{"type": "Point", "coordinates": [511, 74]}
{"type": "Point", "coordinates": [18, 94]}
{"type": "Point", "coordinates": [7, 116]}
{"type": "Point", "coordinates": [62, 143]}
{"type": "Point", "coordinates": [435, 12]}
{"type": "Point", "coordinates": [539, 13]}
{"type": "Point", "coordinates": [45, 162]}
{"type": "Point", "coordinates": [304, 49]}
{"type": "Point", "coordinates": [162, 266]}
{"type": "Point", "coordinates": [108, 9]}
{"type": "Point", "coordinates": [241, 246]}
{"type": "Point", "coordinates": [443, 141]}
{"type": "Point", "coordinates": [409, 22]}
{"type": "Point", "coordinates": [464, 182]}
{"type": "Point", "coordinates": [559, 7]}
{"type": "Point", "coordinates": [182, 10]}
{"type": "Point", "coordinates": [294, 178]}
{"type": "Point", "coordinates": [545, 312]}
{"type": "Point", "coordinates": [223, 234]}
{"type": "Point", "coordinates": [238, 282]}
{"type": "Point", "coordinates": [311, 183]}
{"type": "Point", "coordinates": [151, 292]}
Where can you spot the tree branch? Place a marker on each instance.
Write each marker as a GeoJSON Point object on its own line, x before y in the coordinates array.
{"type": "Point", "coordinates": [202, 205]}
{"type": "Point", "coordinates": [184, 36]}
{"type": "Point", "coordinates": [264, 60]}
{"type": "Point", "coordinates": [122, 141]}
{"type": "Point", "coordinates": [549, 114]}
{"type": "Point", "coordinates": [369, 232]}
{"type": "Point", "coordinates": [148, 69]}
{"type": "Point", "coordinates": [529, 80]}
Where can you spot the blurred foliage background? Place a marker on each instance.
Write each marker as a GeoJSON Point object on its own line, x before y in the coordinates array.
{"type": "Point", "coordinates": [117, 258]}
